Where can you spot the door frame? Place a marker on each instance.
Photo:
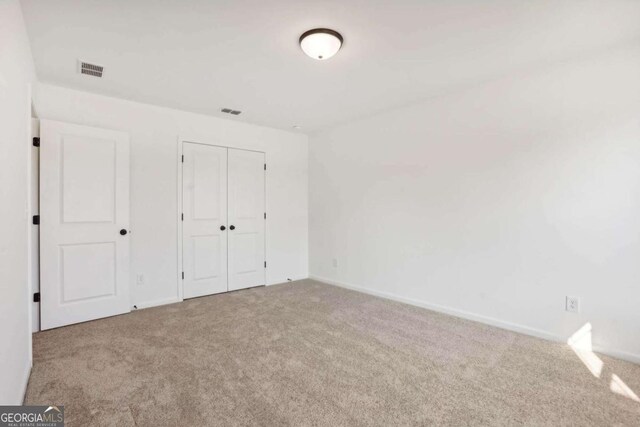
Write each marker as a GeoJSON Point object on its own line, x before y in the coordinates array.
{"type": "Point", "coordinates": [33, 232]}
{"type": "Point", "coordinates": [211, 142]}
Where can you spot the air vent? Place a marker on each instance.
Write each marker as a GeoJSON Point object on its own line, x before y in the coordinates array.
{"type": "Point", "coordinates": [90, 69]}
{"type": "Point", "coordinates": [230, 111]}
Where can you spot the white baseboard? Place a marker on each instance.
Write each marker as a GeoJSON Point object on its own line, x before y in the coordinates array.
{"type": "Point", "coordinates": [635, 358]}
{"type": "Point", "coordinates": [293, 279]}
{"type": "Point", "coordinates": [618, 354]}
{"type": "Point", "coordinates": [172, 300]}
{"type": "Point", "coordinates": [157, 303]}
{"type": "Point", "coordinates": [25, 382]}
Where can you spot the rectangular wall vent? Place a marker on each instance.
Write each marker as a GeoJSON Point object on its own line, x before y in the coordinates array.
{"type": "Point", "coordinates": [230, 111]}
{"type": "Point", "coordinates": [90, 69]}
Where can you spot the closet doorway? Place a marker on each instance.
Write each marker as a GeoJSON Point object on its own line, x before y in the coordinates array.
{"type": "Point", "coordinates": [223, 219]}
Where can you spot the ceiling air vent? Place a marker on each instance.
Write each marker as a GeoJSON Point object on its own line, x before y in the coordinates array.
{"type": "Point", "coordinates": [230, 111]}
{"type": "Point", "coordinates": [90, 69]}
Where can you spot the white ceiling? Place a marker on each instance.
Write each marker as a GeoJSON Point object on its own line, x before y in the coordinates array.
{"type": "Point", "coordinates": [202, 55]}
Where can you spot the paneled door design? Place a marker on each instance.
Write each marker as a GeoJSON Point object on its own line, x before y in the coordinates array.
{"type": "Point", "coordinates": [223, 219]}
{"type": "Point", "coordinates": [204, 230]}
{"type": "Point", "coordinates": [84, 223]}
{"type": "Point", "coordinates": [246, 219]}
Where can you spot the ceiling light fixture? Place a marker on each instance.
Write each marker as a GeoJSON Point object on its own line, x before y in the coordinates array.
{"type": "Point", "coordinates": [321, 43]}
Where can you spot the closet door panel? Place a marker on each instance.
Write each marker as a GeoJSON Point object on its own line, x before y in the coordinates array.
{"type": "Point", "coordinates": [246, 219]}
{"type": "Point", "coordinates": [205, 218]}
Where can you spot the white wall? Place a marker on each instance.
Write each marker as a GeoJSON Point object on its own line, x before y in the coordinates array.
{"type": "Point", "coordinates": [495, 202]}
{"type": "Point", "coordinates": [16, 74]}
{"type": "Point", "coordinates": [154, 134]}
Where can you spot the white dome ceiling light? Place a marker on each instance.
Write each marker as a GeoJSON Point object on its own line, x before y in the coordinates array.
{"type": "Point", "coordinates": [321, 43]}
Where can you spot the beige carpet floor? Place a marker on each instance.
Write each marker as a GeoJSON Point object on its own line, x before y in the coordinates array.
{"type": "Point", "coordinates": [310, 354]}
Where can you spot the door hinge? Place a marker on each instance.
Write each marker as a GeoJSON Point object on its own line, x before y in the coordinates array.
{"type": "Point", "coordinates": [183, 158]}
{"type": "Point", "coordinates": [182, 217]}
{"type": "Point", "coordinates": [265, 166]}
{"type": "Point", "coordinates": [265, 264]}
{"type": "Point", "coordinates": [36, 141]}
{"type": "Point", "coordinates": [36, 219]}
{"type": "Point", "coordinates": [183, 275]}
{"type": "Point", "coordinates": [265, 215]}
{"type": "Point", "coordinates": [36, 297]}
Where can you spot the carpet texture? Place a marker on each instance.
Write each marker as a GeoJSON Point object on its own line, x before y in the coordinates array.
{"type": "Point", "coordinates": [306, 353]}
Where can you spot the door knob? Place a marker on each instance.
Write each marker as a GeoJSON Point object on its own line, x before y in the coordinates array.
{"type": "Point", "coordinates": [222, 227]}
{"type": "Point", "coordinates": [233, 227]}
{"type": "Point", "coordinates": [123, 232]}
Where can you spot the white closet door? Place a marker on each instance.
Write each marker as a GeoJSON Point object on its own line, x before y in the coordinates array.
{"type": "Point", "coordinates": [84, 221]}
{"type": "Point", "coordinates": [246, 219]}
{"type": "Point", "coordinates": [205, 220]}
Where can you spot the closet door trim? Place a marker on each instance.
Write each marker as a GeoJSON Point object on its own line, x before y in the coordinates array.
{"type": "Point", "coordinates": [179, 153]}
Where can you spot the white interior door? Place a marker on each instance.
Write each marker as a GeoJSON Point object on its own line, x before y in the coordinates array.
{"type": "Point", "coordinates": [204, 229]}
{"type": "Point", "coordinates": [246, 219]}
{"type": "Point", "coordinates": [84, 221]}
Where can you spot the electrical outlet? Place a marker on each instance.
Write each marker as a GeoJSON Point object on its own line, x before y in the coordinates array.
{"type": "Point", "coordinates": [335, 263]}
{"type": "Point", "coordinates": [573, 304]}
{"type": "Point", "coordinates": [140, 279]}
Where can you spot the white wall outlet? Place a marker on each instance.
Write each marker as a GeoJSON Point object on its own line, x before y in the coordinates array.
{"type": "Point", "coordinates": [573, 304]}
{"type": "Point", "coordinates": [140, 279]}
{"type": "Point", "coordinates": [335, 263]}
